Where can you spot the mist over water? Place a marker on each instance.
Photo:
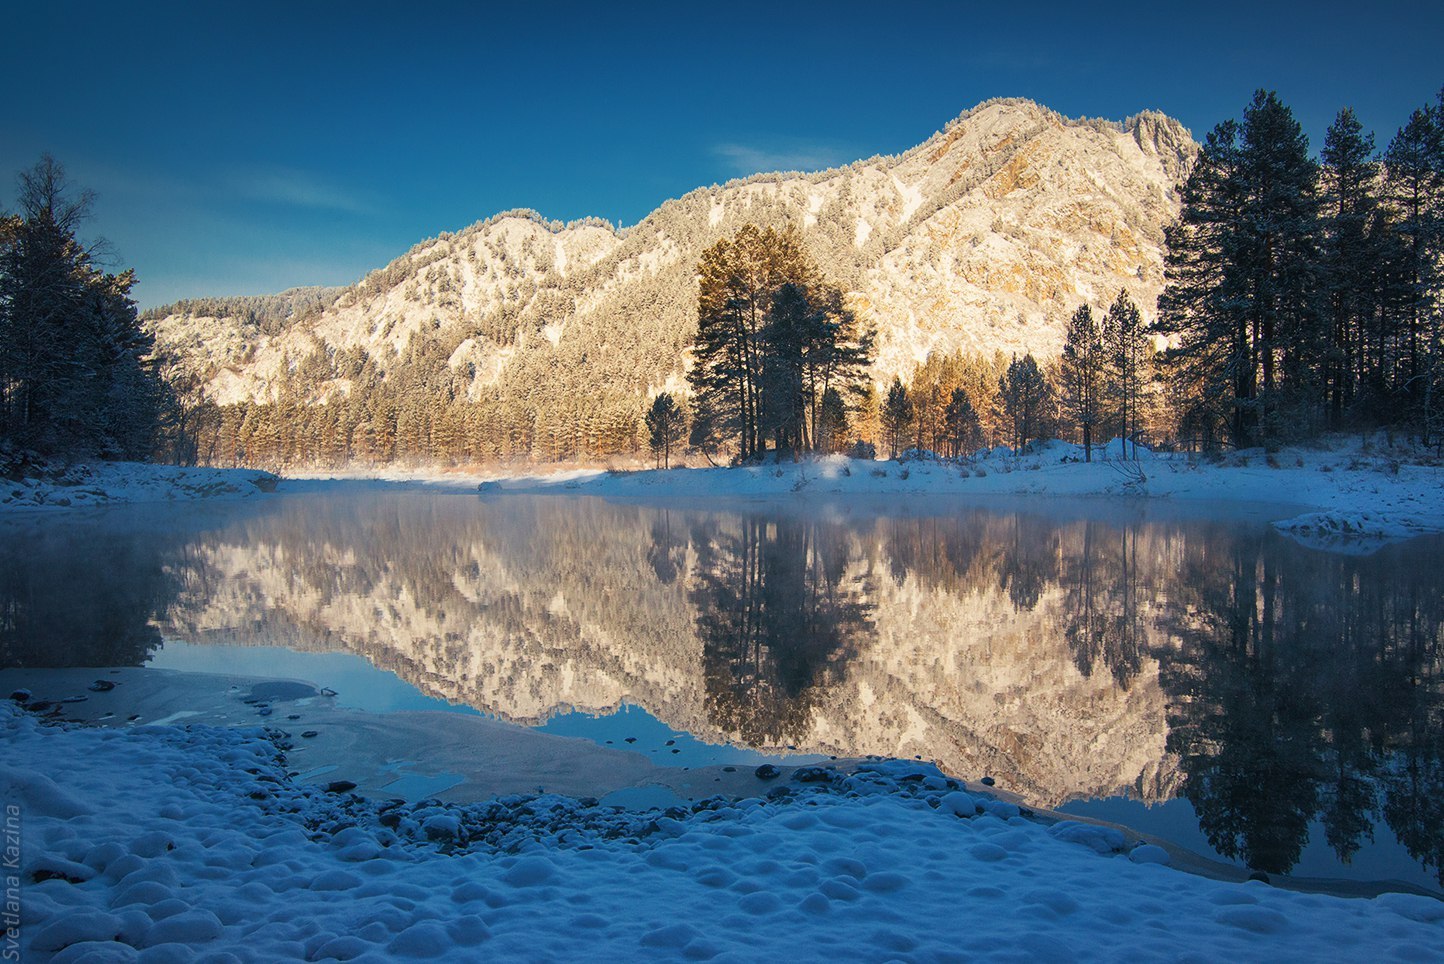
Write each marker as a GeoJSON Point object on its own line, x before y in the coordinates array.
{"type": "Point", "coordinates": [1290, 698]}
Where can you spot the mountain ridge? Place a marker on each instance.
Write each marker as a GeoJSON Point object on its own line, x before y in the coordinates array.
{"type": "Point", "coordinates": [982, 237]}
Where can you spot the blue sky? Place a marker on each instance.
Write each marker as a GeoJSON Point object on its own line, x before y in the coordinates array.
{"type": "Point", "coordinates": [248, 147]}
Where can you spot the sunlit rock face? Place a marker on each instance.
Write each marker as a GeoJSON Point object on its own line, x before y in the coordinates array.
{"type": "Point", "coordinates": [984, 237]}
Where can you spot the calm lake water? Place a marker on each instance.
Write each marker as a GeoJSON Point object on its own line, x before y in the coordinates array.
{"type": "Point", "coordinates": [1208, 681]}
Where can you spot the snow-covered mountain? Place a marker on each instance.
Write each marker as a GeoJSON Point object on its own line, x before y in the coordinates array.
{"type": "Point", "coordinates": [985, 236]}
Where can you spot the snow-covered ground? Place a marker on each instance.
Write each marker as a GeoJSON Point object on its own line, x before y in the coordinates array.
{"type": "Point", "coordinates": [1342, 492]}
{"type": "Point", "coordinates": [1345, 495]}
{"type": "Point", "coordinates": [103, 483]}
{"type": "Point", "coordinates": [161, 843]}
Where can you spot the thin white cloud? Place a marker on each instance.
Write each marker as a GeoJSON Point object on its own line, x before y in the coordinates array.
{"type": "Point", "coordinates": [746, 159]}
{"type": "Point", "coordinates": [297, 189]}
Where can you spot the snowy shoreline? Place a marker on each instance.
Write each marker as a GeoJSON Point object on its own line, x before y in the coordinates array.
{"type": "Point", "coordinates": [175, 841]}
{"type": "Point", "coordinates": [1347, 496]}
{"type": "Point", "coordinates": [51, 486]}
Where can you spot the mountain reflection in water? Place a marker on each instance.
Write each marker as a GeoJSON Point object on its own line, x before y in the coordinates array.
{"type": "Point", "coordinates": [1271, 685]}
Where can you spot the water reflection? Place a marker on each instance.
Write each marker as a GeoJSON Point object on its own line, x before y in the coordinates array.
{"type": "Point", "coordinates": [1272, 686]}
{"type": "Point", "coordinates": [72, 598]}
{"type": "Point", "coordinates": [1307, 686]}
{"type": "Point", "coordinates": [779, 617]}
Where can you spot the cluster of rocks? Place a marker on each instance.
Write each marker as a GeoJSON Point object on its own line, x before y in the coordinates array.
{"type": "Point", "coordinates": [361, 827]}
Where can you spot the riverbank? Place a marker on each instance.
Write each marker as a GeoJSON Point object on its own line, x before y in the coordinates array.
{"type": "Point", "coordinates": [50, 484]}
{"type": "Point", "coordinates": [175, 842]}
{"type": "Point", "coordinates": [1341, 495]}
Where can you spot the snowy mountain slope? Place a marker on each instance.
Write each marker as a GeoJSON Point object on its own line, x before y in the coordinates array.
{"type": "Point", "coordinates": [986, 236]}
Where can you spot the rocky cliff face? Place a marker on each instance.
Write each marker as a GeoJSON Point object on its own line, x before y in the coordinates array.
{"type": "Point", "coordinates": [985, 236]}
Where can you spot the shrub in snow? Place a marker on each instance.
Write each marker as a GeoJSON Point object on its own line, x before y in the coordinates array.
{"type": "Point", "coordinates": [863, 450]}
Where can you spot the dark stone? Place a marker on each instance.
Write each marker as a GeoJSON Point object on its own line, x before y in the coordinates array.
{"type": "Point", "coordinates": [779, 793]}
{"type": "Point", "coordinates": [102, 686]}
{"type": "Point", "coordinates": [767, 772]}
{"type": "Point", "coordinates": [989, 781]}
{"type": "Point", "coordinates": [265, 711]}
{"type": "Point", "coordinates": [631, 739]}
{"type": "Point", "coordinates": [294, 716]}
{"type": "Point", "coordinates": [132, 718]}
{"type": "Point", "coordinates": [309, 733]}
{"type": "Point", "coordinates": [812, 775]}
{"type": "Point", "coordinates": [41, 706]}
{"type": "Point", "coordinates": [670, 743]}
{"type": "Point", "coordinates": [20, 696]}
{"type": "Point", "coordinates": [729, 769]}
{"type": "Point", "coordinates": [390, 820]}
{"type": "Point", "coordinates": [340, 786]}
{"type": "Point", "coordinates": [675, 750]}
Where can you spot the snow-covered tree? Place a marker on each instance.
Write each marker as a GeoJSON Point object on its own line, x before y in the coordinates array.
{"type": "Point", "coordinates": [76, 371]}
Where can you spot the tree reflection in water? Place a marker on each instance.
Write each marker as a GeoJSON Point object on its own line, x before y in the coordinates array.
{"type": "Point", "coordinates": [778, 616]}
{"type": "Point", "coordinates": [76, 597]}
{"type": "Point", "coordinates": [1306, 685]}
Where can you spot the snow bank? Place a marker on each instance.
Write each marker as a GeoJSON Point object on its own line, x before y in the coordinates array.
{"type": "Point", "coordinates": [50, 486]}
{"type": "Point", "coordinates": [159, 843]}
{"type": "Point", "coordinates": [1345, 482]}
{"type": "Point", "coordinates": [1349, 531]}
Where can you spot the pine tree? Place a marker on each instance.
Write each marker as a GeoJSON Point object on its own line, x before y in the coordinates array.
{"type": "Point", "coordinates": [76, 372]}
{"type": "Point", "coordinates": [666, 427]}
{"type": "Point", "coordinates": [1026, 399]}
{"type": "Point", "coordinates": [1125, 346]}
{"type": "Point", "coordinates": [1082, 367]}
{"type": "Point", "coordinates": [1414, 188]}
{"type": "Point", "coordinates": [897, 414]}
{"type": "Point", "coordinates": [773, 337]}
{"type": "Point", "coordinates": [831, 433]}
{"type": "Point", "coordinates": [739, 279]}
{"type": "Point", "coordinates": [1350, 255]}
{"type": "Point", "coordinates": [960, 424]}
{"type": "Point", "coordinates": [1241, 294]}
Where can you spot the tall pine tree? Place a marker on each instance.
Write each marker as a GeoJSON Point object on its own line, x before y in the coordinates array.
{"type": "Point", "coordinates": [76, 372]}
{"type": "Point", "coordinates": [1350, 256]}
{"type": "Point", "coordinates": [1082, 374]}
{"type": "Point", "coordinates": [1241, 295]}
